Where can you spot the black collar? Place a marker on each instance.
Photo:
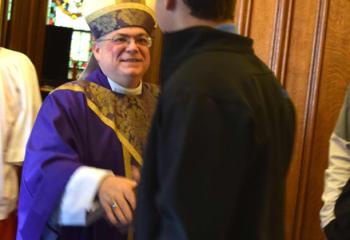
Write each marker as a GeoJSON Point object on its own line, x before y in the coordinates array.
{"type": "Point", "coordinates": [180, 45]}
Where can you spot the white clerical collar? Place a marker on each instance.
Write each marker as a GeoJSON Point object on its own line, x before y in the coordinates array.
{"type": "Point", "coordinates": [123, 90]}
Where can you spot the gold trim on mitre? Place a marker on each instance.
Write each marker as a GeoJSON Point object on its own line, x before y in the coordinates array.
{"type": "Point", "coordinates": [120, 6]}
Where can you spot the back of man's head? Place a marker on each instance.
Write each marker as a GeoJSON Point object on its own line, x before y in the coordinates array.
{"type": "Point", "coordinates": [212, 9]}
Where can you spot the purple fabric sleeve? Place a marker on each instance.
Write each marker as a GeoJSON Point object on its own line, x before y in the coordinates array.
{"type": "Point", "coordinates": [66, 135]}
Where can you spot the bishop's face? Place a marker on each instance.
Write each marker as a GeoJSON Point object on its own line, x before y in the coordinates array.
{"type": "Point", "coordinates": [123, 55]}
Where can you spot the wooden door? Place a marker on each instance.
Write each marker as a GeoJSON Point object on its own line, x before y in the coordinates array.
{"type": "Point", "coordinates": [3, 21]}
{"type": "Point", "coordinates": [306, 43]}
{"type": "Point", "coordinates": [25, 31]}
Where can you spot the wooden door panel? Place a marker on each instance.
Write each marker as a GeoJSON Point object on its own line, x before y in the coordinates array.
{"type": "Point", "coordinates": [300, 40]}
{"type": "Point", "coordinates": [300, 82]}
{"type": "Point", "coordinates": [26, 32]}
{"type": "Point", "coordinates": [264, 13]}
{"type": "Point", "coordinates": [334, 75]}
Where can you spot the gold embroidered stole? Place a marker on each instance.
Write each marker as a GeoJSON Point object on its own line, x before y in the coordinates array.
{"type": "Point", "coordinates": [129, 116]}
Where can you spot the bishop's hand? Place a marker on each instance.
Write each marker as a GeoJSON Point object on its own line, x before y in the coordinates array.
{"type": "Point", "coordinates": [117, 197]}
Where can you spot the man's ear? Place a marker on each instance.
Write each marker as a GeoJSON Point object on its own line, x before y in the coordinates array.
{"type": "Point", "coordinates": [95, 50]}
{"type": "Point", "coordinates": [170, 4]}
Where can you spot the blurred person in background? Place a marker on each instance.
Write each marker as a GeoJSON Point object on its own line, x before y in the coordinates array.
{"type": "Point", "coordinates": [20, 101]}
{"type": "Point", "coordinates": [335, 212]}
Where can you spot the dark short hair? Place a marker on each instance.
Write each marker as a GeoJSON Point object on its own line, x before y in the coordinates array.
{"type": "Point", "coordinates": [212, 9]}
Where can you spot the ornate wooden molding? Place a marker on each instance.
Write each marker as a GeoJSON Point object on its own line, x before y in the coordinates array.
{"type": "Point", "coordinates": [152, 74]}
{"type": "Point", "coordinates": [2, 3]}
{"type": "Point", "coordinates": [244, 16]}
{"type": "Point", "coordinates": [26, 32]}
{"type": "Point", "coordinates": [3, 21]}
{"type": "Point", "coordinates": [310, 112]}
{"type": "Point", "coordinates": [281, 38]}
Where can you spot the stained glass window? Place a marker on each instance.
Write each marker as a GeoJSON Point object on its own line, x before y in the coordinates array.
{"type": "Point", "coordinates": [67, 13]}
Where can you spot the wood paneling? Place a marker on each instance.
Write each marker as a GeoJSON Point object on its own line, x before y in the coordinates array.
{"type": "Point", "coordinates": [280, 39]}
{"type": "Point", "coordinates": [248, 12]}
{"type": "Point", "coordinates": [306, 44]}
{"type": "Point", "coordinates": [264, 13]}
{"type": "Point", "coordinates": [309, 116]}
{"type": "Point", "coordinates": [243, 16]}
{"type": "Point", "coordinates": [334, 74]}
{"type": "Point", "coordinates": [2, 3]}
{"type": "Point", "coordinates": [152, 74]}
{"type": "Point", "coordinates": [3, 21]}
{"type": "Point", "coordinates": [26, 32]}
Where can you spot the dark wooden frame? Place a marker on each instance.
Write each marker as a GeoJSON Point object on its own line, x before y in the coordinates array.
{"type": "Point", "coordinates": [26, 29]}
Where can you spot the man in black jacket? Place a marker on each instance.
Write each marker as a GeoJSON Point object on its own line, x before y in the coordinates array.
{"type": "Point", "coordinates": [222, 136]}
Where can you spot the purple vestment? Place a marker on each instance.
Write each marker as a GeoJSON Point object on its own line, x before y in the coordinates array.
{"type": "Point", "coordinates": [77, 125]}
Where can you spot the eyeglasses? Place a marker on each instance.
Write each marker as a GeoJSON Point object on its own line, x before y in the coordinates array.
{"type": "Point", "coordinates": [142, 40]}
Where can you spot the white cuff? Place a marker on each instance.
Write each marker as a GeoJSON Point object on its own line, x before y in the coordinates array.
{"type": "Point", "coordinates": [79, 195]}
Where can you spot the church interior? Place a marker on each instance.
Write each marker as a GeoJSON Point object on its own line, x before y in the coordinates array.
{"type": "Point", "coordinates": [305, 43]}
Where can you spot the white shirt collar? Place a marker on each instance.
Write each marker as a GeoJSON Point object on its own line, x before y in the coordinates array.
{"type": "Point", "coordinates": [123, 90]}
